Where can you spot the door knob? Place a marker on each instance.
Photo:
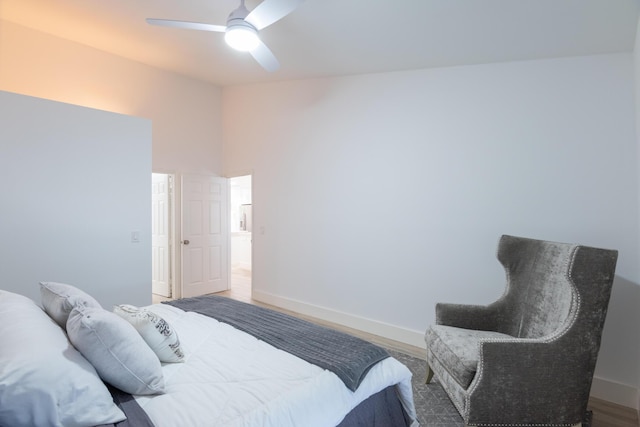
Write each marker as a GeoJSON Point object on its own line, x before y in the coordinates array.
{"type": "Point", "coordinates": [185, 242]}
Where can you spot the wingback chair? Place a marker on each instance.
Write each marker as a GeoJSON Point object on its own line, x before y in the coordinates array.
{"type": "Point", "coordinates": [528, 358]}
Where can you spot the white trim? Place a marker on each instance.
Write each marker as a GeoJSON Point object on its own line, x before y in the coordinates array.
{"type": "Point", "coordinates": [611, 391]}
{"type": "Point", "coordinates": [381, 329]}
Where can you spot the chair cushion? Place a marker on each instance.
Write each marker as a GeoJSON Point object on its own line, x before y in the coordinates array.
{"type": "Point", "coordinates": [458, 349]}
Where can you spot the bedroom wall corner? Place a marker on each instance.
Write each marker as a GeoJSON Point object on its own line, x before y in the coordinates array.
{"type": "Point", "coordinates": [370, 191]}
{"type": "Point", "coordinates": [185, 113]}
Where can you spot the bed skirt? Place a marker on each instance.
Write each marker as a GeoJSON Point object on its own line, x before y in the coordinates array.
{"type": "Point", "coordinates": [382, 409]}
{"type": "Point", "coordinates": [136, 417]}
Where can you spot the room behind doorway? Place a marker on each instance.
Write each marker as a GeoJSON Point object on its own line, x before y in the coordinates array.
{"type": "Point", "coordinates": [241, 225]}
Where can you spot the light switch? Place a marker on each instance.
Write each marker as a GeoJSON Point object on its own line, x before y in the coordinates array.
{"type": "Point", "coordinates": [135, 237]}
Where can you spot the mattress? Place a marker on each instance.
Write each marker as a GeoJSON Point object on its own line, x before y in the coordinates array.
{"type": "Point", "coordinates": [229, 378]}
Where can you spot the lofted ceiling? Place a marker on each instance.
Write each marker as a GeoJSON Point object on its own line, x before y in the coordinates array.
{"type": "Point", "coordinates": [338, 37]}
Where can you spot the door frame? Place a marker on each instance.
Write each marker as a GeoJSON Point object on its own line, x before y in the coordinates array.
{"type": "Point", "coordinates": [167, 181]}
{"type": "Point", "coordinates": [253, 215]}
{"type": "Point", "coordinates": [175, 226]}
{"type": "Point", "coordinates": [174, 218]}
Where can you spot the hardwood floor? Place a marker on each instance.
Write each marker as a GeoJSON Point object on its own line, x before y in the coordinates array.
{"type": "Point", "coordinates": [608, 414]}
{"type": "Point", "coordinates": [605, 414]}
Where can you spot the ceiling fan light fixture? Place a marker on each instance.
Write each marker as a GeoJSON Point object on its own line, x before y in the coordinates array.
{"type": "Point", "coordinates": [242, 37]}
{"type": "Point", "coordinates": [241, 31]}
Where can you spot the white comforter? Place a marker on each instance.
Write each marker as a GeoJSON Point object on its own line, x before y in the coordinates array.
{"type": "Point", "coordinates": [233, 379]}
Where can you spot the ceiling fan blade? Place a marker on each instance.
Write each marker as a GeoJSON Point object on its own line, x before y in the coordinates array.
{"type": "Point", "coordinates": [265, 57]}
{"type": "Point", "coordinates": [270, 11]}
{"type": "Point", "coordinates": [187, 25]}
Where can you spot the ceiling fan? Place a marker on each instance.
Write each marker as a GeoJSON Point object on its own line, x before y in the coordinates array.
{"type": "Point", "coordinates": [241, 31]}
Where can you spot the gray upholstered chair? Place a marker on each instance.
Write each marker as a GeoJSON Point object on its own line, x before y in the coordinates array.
{"type": "Point", "coordinates": [528, 358]}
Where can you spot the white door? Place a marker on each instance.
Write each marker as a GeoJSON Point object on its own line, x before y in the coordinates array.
{"type": "Point", "coordinates": [160, 197]}
{"type": "Point", "coordinates": [205, 232]}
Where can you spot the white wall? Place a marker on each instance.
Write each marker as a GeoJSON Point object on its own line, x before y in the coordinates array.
{"type": "Point", "coordinates": [71, 200]}
{"type": "Point", "coordinates": [185, 113]}
{"type": "Point", "coordinates": [636, 75]}
{"type": "Point", "coordinates": [380, 195]}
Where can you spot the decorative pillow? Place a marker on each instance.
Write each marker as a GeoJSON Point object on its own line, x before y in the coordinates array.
{"type": "Point", "coordinates": [58, 299]}
{"type": "Point", "coordinates": [43, 379]}
{"type": "Point", "coordinates": [156, 332]}
{"type": "Point", "coordinates": [116, 350]}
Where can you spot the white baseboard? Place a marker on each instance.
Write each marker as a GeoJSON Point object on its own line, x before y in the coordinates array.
{"type": "Point", "coordinates": [611, 391]}
{"type": "Point", "coordinates": [601, 388]}
{"type": "Point", "coordinates": [381, 329]}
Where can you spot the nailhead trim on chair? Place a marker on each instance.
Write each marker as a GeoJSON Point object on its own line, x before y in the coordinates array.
{"type": "Point", "coordinates": [526, 425]}
{"type": "Point", "coordinates": [547, 339]}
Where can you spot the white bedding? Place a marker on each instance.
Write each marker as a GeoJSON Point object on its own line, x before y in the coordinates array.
{"type": "Point", "coordinates": [230, 378]}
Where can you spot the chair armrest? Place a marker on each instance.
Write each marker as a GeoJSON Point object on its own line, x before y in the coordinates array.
{"type": "Point", "coordinates": [550, 370]}
{"type": "Point", "coordinates": [478, 317]}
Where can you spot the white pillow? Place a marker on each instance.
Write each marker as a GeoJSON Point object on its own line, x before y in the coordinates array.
{"type": "Point", "coordinates": [43, 379]}
{"type": "Point", "coordinates": [58, 299]}
{"type": "Point", "coordinates": [156, 332]}
{"type": "Point", "coordinates": [116, 350]}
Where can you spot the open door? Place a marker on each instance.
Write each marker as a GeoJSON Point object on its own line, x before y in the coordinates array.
{"type": "Point", "coordinates": [205, 233]}
{"type": "Point", "coordinates": [161, 185]}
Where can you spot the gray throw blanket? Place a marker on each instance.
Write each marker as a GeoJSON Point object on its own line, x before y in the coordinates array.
{"type": "Point", "coordinates": [350, 358]}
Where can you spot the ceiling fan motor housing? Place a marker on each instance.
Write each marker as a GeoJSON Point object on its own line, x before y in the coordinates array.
{"type": "Point", "coordinates": [240, 13]}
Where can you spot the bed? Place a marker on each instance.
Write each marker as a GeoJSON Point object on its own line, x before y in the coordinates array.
{"type": "Point", "coordinates": [207, 361]}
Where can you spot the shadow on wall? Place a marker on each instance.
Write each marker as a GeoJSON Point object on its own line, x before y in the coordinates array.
{"type": "Point", "coordinates": [621, 335]}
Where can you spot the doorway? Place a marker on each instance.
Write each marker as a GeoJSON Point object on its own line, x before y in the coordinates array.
{"type": "Point", "coordinates": [190, 235]}
{"type": "Point", "coordinates": [241, 228]}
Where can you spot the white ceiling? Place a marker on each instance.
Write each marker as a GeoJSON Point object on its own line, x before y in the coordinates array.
{"type": "Point", "coordinates": [339, 37]}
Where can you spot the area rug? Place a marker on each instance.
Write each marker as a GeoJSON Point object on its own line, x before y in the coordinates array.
{"type": "Point", "coordinates": [433, 406]}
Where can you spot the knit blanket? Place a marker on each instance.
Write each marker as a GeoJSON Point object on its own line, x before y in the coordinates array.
{"type": "Point", "coordinates": [349, 357]}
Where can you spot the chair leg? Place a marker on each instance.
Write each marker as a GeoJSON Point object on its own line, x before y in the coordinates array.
{"type": "Point", "coordinates": [429, 374]}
